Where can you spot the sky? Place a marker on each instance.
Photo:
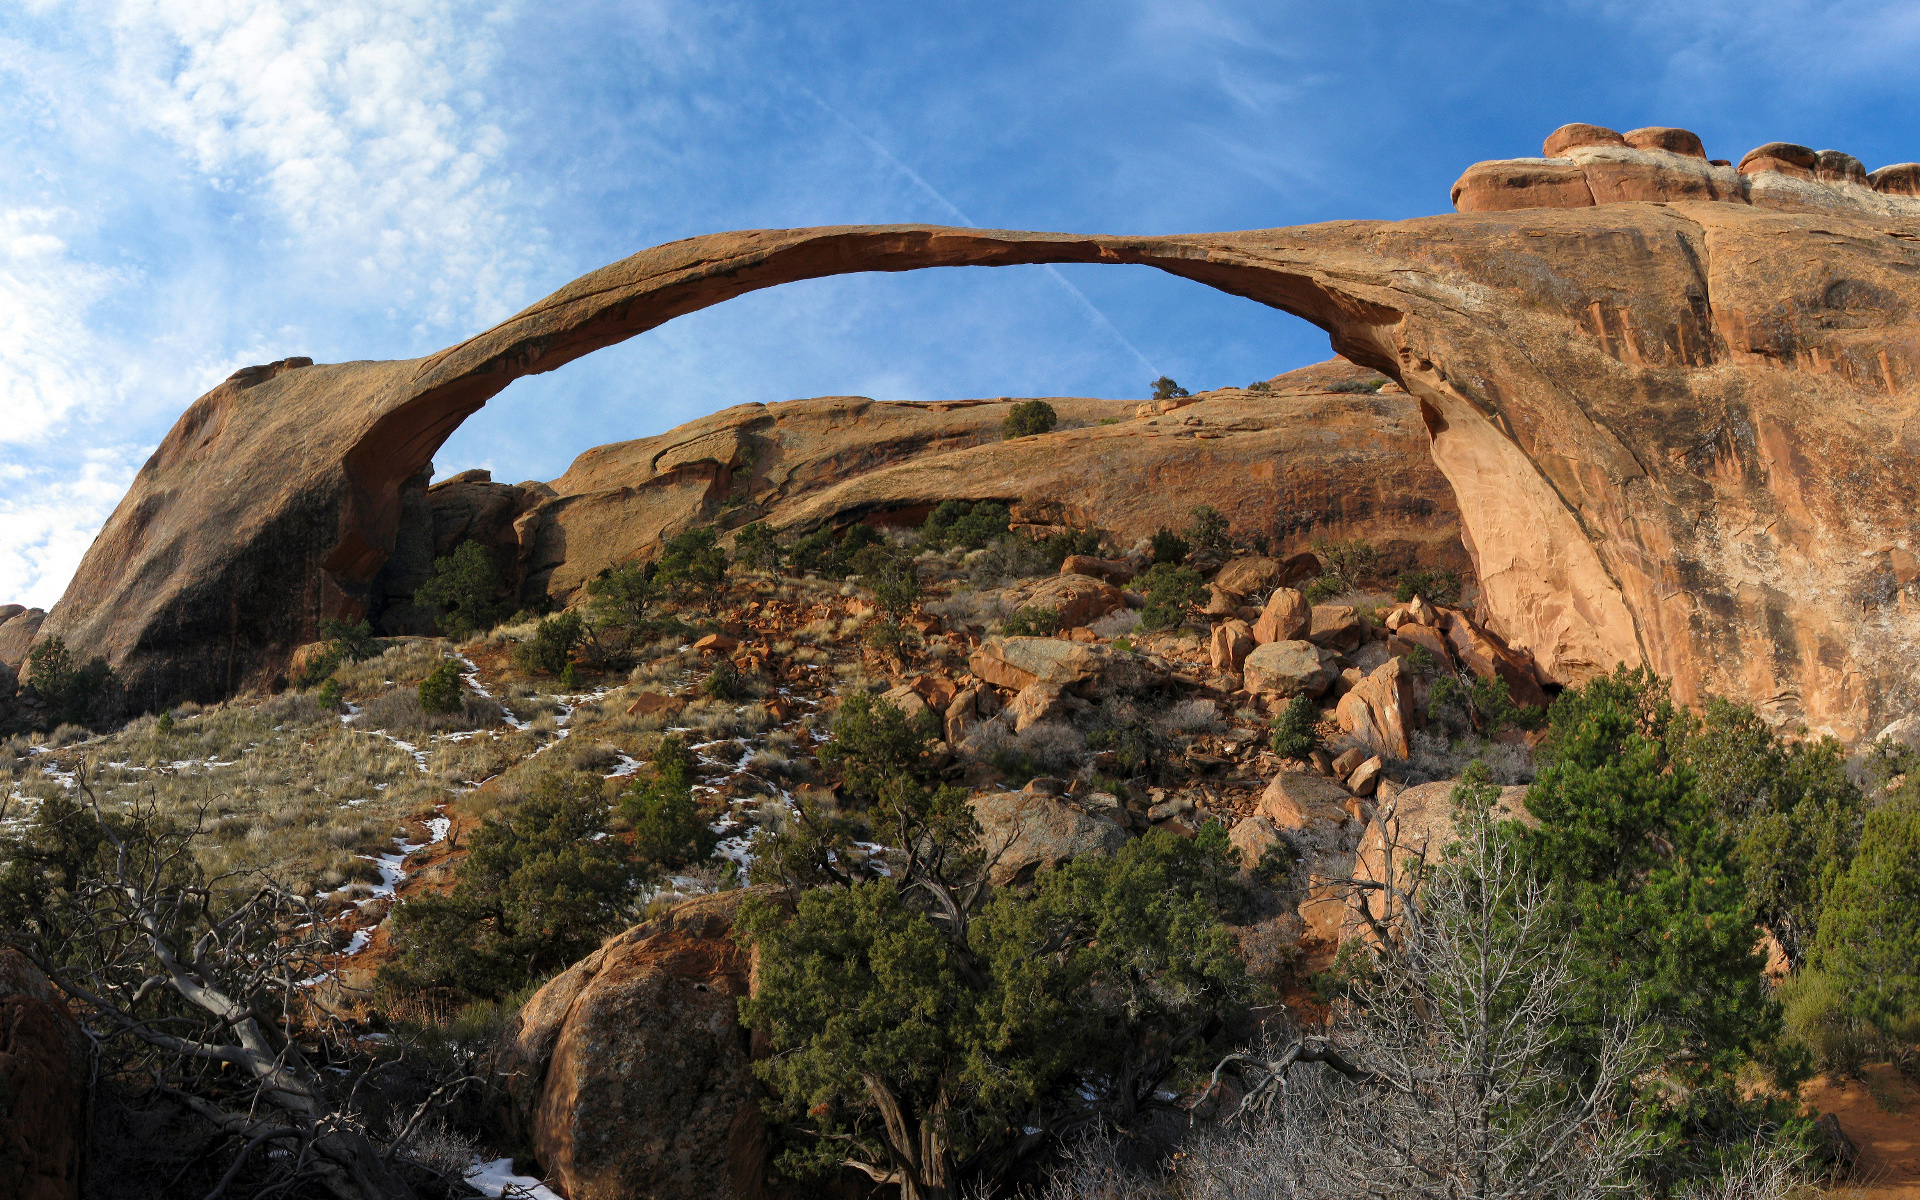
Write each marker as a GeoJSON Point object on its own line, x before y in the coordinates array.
{"type": "Point", "coordinates": [192, 186]}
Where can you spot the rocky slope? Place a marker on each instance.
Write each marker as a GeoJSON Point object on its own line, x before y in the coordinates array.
{"type": "Point", "coordinates": [1674, 417]}
{"type": "Point", "coordinates": [1296, 462]}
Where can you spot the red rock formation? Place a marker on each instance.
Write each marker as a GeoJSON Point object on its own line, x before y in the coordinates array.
{"type": "Point", "coordinates": [629, 1073]}
{"type": "Point", "coordinates": [43, 1088]}
{"type": "Point", "coordinates": [1676, 431]}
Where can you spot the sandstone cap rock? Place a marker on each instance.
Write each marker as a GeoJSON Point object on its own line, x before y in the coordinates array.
{"type": "Point", "coordinates": [1788, 157]}
{"type": "Point", "coordinates": [1286, 669]}
{"type": "Point", "coordinates": [1662, 137]}
{"type": "Point", "coordinates": [1567, 137]}
{"type": "Point", "coordinates": [1900, 179]}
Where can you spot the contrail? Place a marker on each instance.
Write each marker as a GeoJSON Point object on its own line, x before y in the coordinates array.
{"type": "Point", "coordinates": [933, 193]}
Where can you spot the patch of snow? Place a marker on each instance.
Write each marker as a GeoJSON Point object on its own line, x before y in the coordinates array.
{"type": "Point", "coordinates": [497, 1179]}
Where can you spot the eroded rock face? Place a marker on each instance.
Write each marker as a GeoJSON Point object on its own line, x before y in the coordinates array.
{"type": "Point", "coordinates": [1675, 432]}
{"type": "Point", "coordinates": [1022, 832]}
{"type": "Point", "coordinates": [44, 1076]}
{"type": "Point", "coordinates": [630, 1073]}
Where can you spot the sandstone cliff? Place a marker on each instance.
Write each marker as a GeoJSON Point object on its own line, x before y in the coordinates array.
{"type": "Point", "coordinates": [1675, 423]}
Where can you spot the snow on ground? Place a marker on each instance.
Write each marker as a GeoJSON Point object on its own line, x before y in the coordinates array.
{"type": "Point", "coordinates": [496, 1178]}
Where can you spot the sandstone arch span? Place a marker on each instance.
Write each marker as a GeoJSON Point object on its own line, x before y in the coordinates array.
{"type": "Point", "coordinates": [1655, 449]}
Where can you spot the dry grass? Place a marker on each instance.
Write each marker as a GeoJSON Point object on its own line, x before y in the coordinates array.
{"type": "Point", "coordinates": [404, 664]}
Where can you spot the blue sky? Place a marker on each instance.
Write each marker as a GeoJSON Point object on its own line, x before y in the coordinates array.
{"type": "Point", "coordinates": [190, 186]}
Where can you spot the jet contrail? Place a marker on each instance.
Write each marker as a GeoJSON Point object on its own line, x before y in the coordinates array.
{"type": "Point", "coordinates": [1092, 310]}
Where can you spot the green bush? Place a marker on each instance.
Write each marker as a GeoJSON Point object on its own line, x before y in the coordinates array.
{"type": "Point", "coordinates": [466, 587]}
{"type": "Point", "coordinates": [1209, 530]}
{"type": "Point", "coordinates": [1166, 389]}
{"type": "Point", "coordinates": [1869, 938]}
{"type": "Point", "coordinates": [1032, 622]}
{"type": "Point", "coordinates": [1169, 591]}
{"type": "Point", "coordinates": [1344, 567]}
{"type": "Point", "coordinates": [329, 695]}
{"type": "Point", "coordinates": [1168, 547]}
{"type": "Point", "coordinates": [80, 694]}
{"type": "Point", "coordinates": [692, 562]}
{"type": "Point", "coordinates": [669, 830]}
{"type": "Point", "coordinates": [623, 596]}
{"type": "Point", "coordinates": [890, 572]}
{"type": "Point", "coordinates": [1139, 749]}
{"type": "Point", "coordinates": [440, 691]}
{"type": "Point", "coordinates": [1296, 731]}
{"type": "Point", "coordinates": [756, 549]}
{"type": "Point", "coordinates": [725, 682]}
{"type": "Point", "coordinates": [345, 642]}
{"type": "Point", "coordinates": [541, 886]}
{"type": "Point", "coordinates": [976, 1024]}
{"type": "Point", "coordinates": [1029, 417]}
{"type": "Point", "coordinates": [1440, 586]}
{"type": "Point", "coordinates": [831, 554]}
{"type": "Point", "coordinates": [874, 743]}
{"type": "Point", "coordinates": [1358, 386]}
{"type": "Point", "coordinates": [550, 652]}
{"type": "Point", "coordinates": [972, 526]}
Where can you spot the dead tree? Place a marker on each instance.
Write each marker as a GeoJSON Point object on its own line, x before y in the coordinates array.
{"type": "Point", "coordinates": [1444, 1075]}
{"type": "Point", "coordinates": [203, 987]}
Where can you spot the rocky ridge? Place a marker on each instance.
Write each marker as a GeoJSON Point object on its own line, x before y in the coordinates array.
{"type": "Point", "coordinates": [1673, 424]}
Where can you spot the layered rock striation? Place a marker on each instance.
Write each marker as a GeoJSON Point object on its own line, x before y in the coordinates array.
{"type": "Point", "coordinates": [1676, 427]}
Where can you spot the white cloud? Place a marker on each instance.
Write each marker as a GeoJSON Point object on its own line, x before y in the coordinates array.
{"type": "Point", "coordinates": [50, 514]}
{"type": "Point", "coordinates": [197, 184]}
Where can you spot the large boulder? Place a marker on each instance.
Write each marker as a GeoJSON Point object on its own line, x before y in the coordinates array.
{"type": "Point", "coordinates": [17, 635]}
{"type": "Point", "coordinates": [1076, 599]}
{"type": "Point", "coordinates": [1253, 576]}
{"type": "Point", "coordinates": [1286, 617]}
{"type": "Point", "coordinates": [1380, 711]}
{"type": "Point", "coordinates": [1230, 644]}
{"type": "Point", "coordinates": [44, 1082]}
{"type": "Point", "coordinates": [1086, 668]}
{"type": "Point", "coordinates": [1287, 669]}
{"type": "Point", "coordinates": [1024, 831]}
{"type": "Point", "coordinates": [1413, 829]}
{"type": "Point", "coordinates": [629, 1073]}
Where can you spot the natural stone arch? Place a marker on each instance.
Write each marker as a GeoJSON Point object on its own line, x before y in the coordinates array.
{"type": "Point", "coordinates": [1560, 357]}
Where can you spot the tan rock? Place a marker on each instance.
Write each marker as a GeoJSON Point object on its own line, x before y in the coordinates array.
{"type": "Point", "coordinates": [1252, 576]}
{"type": "Point", "coordinates": [1427, 638]}
{"type": "Point", "coordinates": [908, 701]}
{"type": "Point", "coordinates": [17, 636]}
{"type": "Point", "coordinates": [1486, 656]}
{"type": "Point", "coordinates": [717, 643]}
{"type": "Point", "coordinates": [1345, 761]}
{"type": "Point", "coordinates": [1379, 711]}
{"type": "Point", "coordinates": [1900, 179]}
{"type": "Point", "coordinates": [1366, 776]}
{"type": "Point", "coordinates": [1089, 670]}
{"type": "Point", "coordinates": [1022, 833]}
{"type": "Point", "coordinates": [45, 1079]}
{"type": "Point", "coordinates": [1336, 627]}
{"type": "Point", "coordinates": [1412, 829]}
{"type": "Point", "coordinates": [647, 703]}
{"type": "Point", "coordinates": [963, 715]}
{"type": "Point", "coordinates": [1035, 703]}
{"type": "Point", "coordinates": [1113, 570]}
{"type": "Point", "coordinates": [1778, 156]}
{"type": "Point", "coordinates": [1420, 612]}
{"type": "Point", "coordinates": [1232, 641]}
{"type": "Point", "coordinates": [1286, 669]}
{"type": "Point", "coordinates": [1567, 137]}
{"type": "Point", "coordinates": [1661, 137]}
{"type": "Point", "coordinates": [1286, 618]}
{"type": "Point", "coordinates": [1252, 837]}
{"type": "Point", "coordinates": [628, 1073]}
{"type": "Point", "coordinates": [1077, 599]}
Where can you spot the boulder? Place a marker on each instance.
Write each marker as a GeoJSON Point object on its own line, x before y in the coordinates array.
{"type": "Point", "coordinates": [1488, 657]}
{"type": "Point", "coordinates": [1567, 137]}
{"type": "Point", "coordinates": [1252, 837]}
{"type": "Point", "coordinates": [1345, 761]}
{"type": "Point", "coordinates": [1112, 570]}
{"type": "Point", "coordinates": [17, 635]}
{"type": "Point", "coordinates": [965, 713]}
{"type": "Point", "coordinates": [1778, 156]}
{"type": "Point", "coordinates": [45, 1074]}
{"type": "Point", "coordinates": [907, 700]}
{"type": "Point", "coordinates": [9, 611]}
{"type": "Point", "coordinates": [629, 1074]}
{"type": "Point", "coordinates": [1900, 179]}
{"type": "Point", "coordinates": [1427, 638]}
{"type": "Point", "coordinates": [1285, 618]}
{"type": "Point", "coordinates": [1089, 670]}
{"type": "Point", "coordinates": [1035, 703]}
{"type": "Point", "coordinates": [1662, 137]}
{"type": "Point", "coordinates": [1024, 832]}
{"type": "Point", "coordinates": [1078, 599]}
{"type": "Point", "coordinates": [1286, 669]}
{"type": "Point", "coordinates": [1220, 603]}
{"type": "Point", "coordinates": [1380, 709]}
{"type": "Point", "coordinates": [1414, 826]}
{"type": "Point", "coordinates": [1232, 641]}
{"type": "Point", "coordinates": [1337, 627]}
{"type": "Point", "coordinates": [717, 643]}
{"type": "Point", "coordinates": [1366, 777]}
{"type": "Point", "coordinates": [1253, 576]}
